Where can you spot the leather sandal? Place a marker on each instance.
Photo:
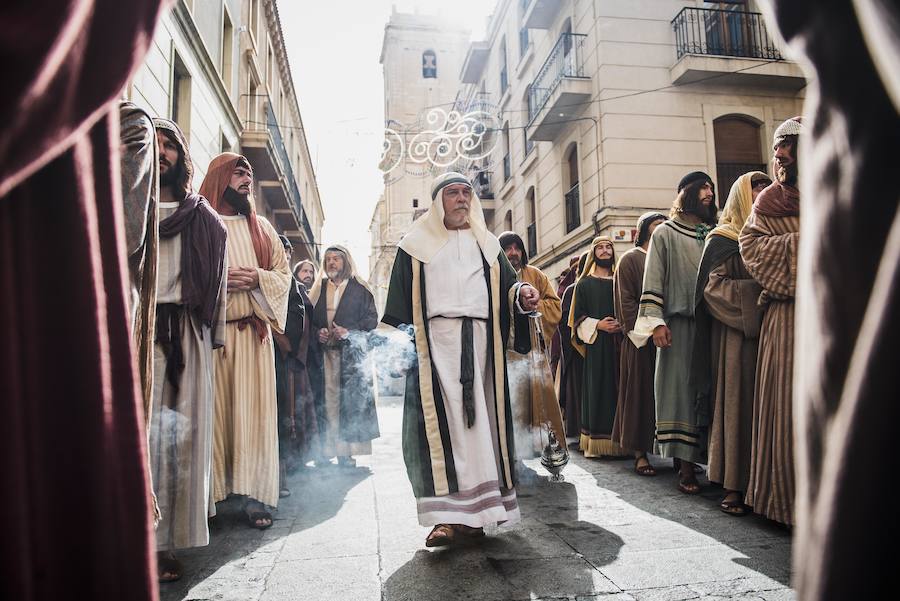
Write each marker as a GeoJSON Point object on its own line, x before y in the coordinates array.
{"type": "Point", "coordinates": [688, 486]}
{"type": "Point", "coordinates": [168, 569]}
{"type": "Point", "coordinates": [734, 508]}
{"type": "Point", "coordinates": [644, 470]}
{"type": "Point", "coordinates": [468, 531]}
{"type": "Point", "coordinates": [441, 536]}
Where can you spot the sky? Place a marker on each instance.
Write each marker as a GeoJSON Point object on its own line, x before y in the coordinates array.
{"type": "Point", "coordinates": [333, 47]}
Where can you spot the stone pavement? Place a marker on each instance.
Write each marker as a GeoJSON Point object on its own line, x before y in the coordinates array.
{"type": "Point", "coordinates": [603, 534]}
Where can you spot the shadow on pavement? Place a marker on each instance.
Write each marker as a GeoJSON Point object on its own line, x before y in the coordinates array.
{"type": "Point", "coordinates": [239, 555]}
{"type": "Point", "coordinates": [522, 561]}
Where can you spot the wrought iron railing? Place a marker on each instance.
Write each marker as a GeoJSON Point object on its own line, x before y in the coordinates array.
{"type": "Point", "coordinates": [565, 60]}
{"type": "Point", "coordinates": [573, 209]}
{"type": "Point", "coordinates": [724, 33]}
{"type": "Point", "coordinates": [532, 239]}
{"type": "Point", "coordinates": [483, 185]}
{"type": "Point", "coordinates": [293, 189]}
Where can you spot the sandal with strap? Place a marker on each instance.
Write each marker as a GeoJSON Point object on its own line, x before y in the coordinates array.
{"type": "Point", "coordinates": [644, 470]}
{"type": "Point", "coordinates": [168, 568]}
{"type": "Point", "coordinates": [688, 486]}
{"type": "Point", "coordinates": [733, 507]}
{"type": "Point", "coordinates": [441, 536]}
{"type": "Point", "coordinates": [468, 531]}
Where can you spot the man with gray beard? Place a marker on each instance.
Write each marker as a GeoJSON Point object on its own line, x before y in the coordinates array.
{"type": "Point", "coordinates": [343, 315]}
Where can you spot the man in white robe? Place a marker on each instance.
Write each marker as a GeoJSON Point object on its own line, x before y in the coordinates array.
{"type": "Point", "coordinates": [454, 290]}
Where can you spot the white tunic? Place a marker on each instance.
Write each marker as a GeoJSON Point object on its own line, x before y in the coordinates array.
{"type": "Point", "coordinates": [455, 287]}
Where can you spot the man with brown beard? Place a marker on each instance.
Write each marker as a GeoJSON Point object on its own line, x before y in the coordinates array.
{"type": "Point", "coordinates": [245, 442]}
{"type": "Point", "coordinates": [768, 244]}
{"type": "Point", "coordinates": [666, 314]}
{"type": "Point", "coordinates": [190, 323]}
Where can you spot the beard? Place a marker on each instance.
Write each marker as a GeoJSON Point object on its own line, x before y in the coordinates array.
{"type": "Point", "coordinates": [307, 282]}
{"type": "Point", "coordinates": [606, 263]}
{"type": "Point", "coordinates": [516, 262]}
{"type": "Point", "coordinates": [170, 177]}
{"type": "Point", "coordinates": [788, 174]}
{"type": "Point", "coordinates": [239, 202]}
{"type": "Point", "coordinates": [333, 274]}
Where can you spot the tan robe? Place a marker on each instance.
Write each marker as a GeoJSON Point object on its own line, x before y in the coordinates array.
{"type": "Point", "coordinates": [332, 443]}
{"type": "Point", "coordinates": [527, 394]}
{"type": "Point", "coordinates": [731, 296]}
{"type": "Point", "coordinates": [245, 447]}
{"type": "Point", "coordinates": [769, 249]}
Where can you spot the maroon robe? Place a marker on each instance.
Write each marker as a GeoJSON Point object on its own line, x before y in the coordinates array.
{"type": "Point", "coordinates": [72, 442]}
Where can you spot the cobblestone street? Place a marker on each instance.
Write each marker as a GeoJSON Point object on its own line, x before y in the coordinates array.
{"type": "Point", "coordinates": [604, 533]}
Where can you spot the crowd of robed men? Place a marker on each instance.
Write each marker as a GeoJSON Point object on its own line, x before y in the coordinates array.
{"type": "Point", "coordinates": [248, 370]}
{"type": "Point", "coordinates": [254, 370]}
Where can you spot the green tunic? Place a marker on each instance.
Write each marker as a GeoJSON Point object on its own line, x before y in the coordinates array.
{"type": "Point", "coordinates": [427, 445]}
{"type": "Point", "coordinates": [594, 299]}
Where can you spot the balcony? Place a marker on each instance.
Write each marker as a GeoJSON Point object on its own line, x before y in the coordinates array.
{"type": "Point", "coordinates": [264, 148]}
{"type": "Point", "coordinates": [483, 188]}
{"type": "Point", "coordinates": [560, 90]}
{"type": "Point", "coordinates": [473, 65]}
{"type": "Point", "coordinates": [733, 47]}
{"type": "Point", "coordinates": [573, 209]}
{"type": "Point", "coordinates": [541, 14]}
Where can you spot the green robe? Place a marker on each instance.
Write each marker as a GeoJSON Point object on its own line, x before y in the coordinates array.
{"type": "Point", "coordinates": [427, 448]}
{"type": "Point", "coordinates": [594, 299]}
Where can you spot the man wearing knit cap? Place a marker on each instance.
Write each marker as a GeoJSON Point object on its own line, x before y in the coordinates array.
{"type": "Point", "coordinates": [453, 290]}
{"type": "Point", "coordinates": [245, 441]}
{"type": "Point", "coordinates": [635, 424]}
{"type": "Point", "coordinates": [769, 242]}
{"type": "Point", "coordinates": [526, 399]}
{"type": "Point", "coordinates": [666, 314]}
{"type": "Point", "coordinates": [190, 324]}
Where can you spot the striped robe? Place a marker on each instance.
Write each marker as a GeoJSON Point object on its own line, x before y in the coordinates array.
{"type": "Point", "coordinates": [667, 298]}
{"type": "Point", "coordinates": [245, 450]}
{"type": "Point", "coordinates": [181, 422]}
{"type": "Point", "coordinates": [769, 249]}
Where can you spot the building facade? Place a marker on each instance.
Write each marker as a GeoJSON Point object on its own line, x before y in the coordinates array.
{"type": "Point", "coordinates": [605, 104]}
{"type": "Point", "coordinates": [421, 58]}
{"type": "Point", "coordinates": [218, 68]}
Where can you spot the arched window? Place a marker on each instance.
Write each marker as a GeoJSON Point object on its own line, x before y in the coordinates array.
{"type": "Point", "coordinates": [572, 202]}
{"type": "Point", "coordinates": [429, 64]}
{"type": "Point", "coordinates": [507, 221]}
{"type": "Point", "coordinates": [531, 220]}
{"type": "Point", "coordinates": [738, 150]}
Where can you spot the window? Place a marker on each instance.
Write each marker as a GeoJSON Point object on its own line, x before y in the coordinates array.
{"type": "Point", "coordinates": [523, 41]}
{"type": "Point", "coordinates": [252, 98]}
{"type": "Point", "coordinates": [429, 64]}
{"type": "Point", "coordinates": [738, 150]}
{"type": "Point", "coordinates": [571, 199]}
{"type": "Point", "coordinates": [529, 144]}
{"type": "Point", "coordinates": [415, 203]}
{"type": "Point", "coordinates": [225, 65]}
{"type": "Point", "coordinates": [504, 79]}
{"type": "Point", "coordinates": [254, 19]}
{"type": "Point", "coordinates": [224, 144]}
{"type": "Point", "coordinates": [531, 219]}
{"type": "Point", "coordinates": [270, 67]}
{"type": "Point", "coordinates": [181, 95]}
{"type": "Point", "coordinates": [507, 167]}
{"type": "Point", "coordinates": [507, 222]}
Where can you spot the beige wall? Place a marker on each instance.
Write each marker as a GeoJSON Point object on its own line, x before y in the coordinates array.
{"type": "Point", "coordinates": [632, 150]}
{"type": "Point", "coordinates": [220, 111]}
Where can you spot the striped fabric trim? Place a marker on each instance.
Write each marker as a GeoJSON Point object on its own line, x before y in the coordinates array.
{"type": "Point", "coordinates": [681, 229]}
{"type": "Point", "coordinates": [426, 392]}
{"type": "Point", "coordinates": [498, 369]}
{"type": "Point", "coordinates": [650, 301]}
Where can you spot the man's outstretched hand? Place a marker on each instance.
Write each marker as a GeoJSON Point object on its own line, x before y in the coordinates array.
{"type": "Point", "coordinates": [528, 298]}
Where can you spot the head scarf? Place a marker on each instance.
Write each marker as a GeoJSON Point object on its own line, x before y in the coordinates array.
{"type": "Point", "coordinates": [213, 189]}
{"type": "Point", "coordinates": [428, 234]}
{"type": "Point", "coordinates": [187, 165]}
{"type": "Point", "coordinates": [586, 271]}
{"type": "Point", "coordinates": [737, 207]}
{"type": "Point", "coordinates": [643, 226]}
{"type": "Point", "coordinates": [203, 238]}
{"type": "Point", "coordinates": [512, 238]}
{"type": "Point", "coordinates": [349, 269]}
{"type": "Point", "coordinates": [791, 127]}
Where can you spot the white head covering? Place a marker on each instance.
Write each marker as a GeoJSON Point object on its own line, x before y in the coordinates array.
{"type": "Point", "coordinates": [428, 234]}
{"type": "Point", "coordinates": [791, 127]}
{"type": "Point", "coordinates": [316, 288]}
